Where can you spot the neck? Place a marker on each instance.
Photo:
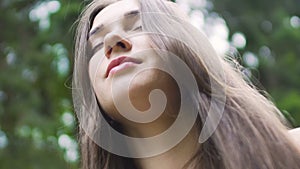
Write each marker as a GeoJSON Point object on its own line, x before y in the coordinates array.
{"type": "Point", "coordinates": [179, 155]}
{"type": "Point", "coordinates": [175, 158]}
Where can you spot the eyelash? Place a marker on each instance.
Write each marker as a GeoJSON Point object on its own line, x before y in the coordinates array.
{"type": "Point", "coordinates": [137, 28]}
{"type": "Point", "coordinates": [100, 45]}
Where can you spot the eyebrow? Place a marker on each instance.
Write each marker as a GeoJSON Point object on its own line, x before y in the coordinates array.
{"type": "Point", "coordinates": [99, 28]}
{"type": "Point", "coordinates": [132, 13]}
{"type": "Point", "coordinates": [96, 30]}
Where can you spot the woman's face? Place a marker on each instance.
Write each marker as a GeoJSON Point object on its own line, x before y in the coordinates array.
{"type": "Point", "coordinates": [121, 51]}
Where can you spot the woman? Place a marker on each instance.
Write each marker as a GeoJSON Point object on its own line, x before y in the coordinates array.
{"type": "Point", "coordinates": [129, 50]}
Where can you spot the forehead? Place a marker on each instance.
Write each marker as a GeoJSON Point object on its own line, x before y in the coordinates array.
{"type": "Point", "coordinates": [115, 11]}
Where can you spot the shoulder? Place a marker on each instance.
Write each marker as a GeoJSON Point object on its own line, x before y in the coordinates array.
{"type": "Point", "coordinates": [295, 133]}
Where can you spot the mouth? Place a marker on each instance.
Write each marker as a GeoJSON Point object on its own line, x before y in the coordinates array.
{"type": "Point", "coordinates": [120, 63]}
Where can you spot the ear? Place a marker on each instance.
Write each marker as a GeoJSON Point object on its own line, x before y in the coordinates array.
{"type": "Point", "coordinates": [295, 133]}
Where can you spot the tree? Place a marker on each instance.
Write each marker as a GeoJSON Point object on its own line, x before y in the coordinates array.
{"type": "Point", "coordinates": [272, 30]}
{"type": "Point", "coordinates": [36, 116]}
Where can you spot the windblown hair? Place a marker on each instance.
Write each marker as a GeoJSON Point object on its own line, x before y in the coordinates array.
{"type": "Point", "coordinates": [251, 133]}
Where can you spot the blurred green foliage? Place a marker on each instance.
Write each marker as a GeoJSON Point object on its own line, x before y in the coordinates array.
{"type": "Point", "coordinates": [37, 127]}
{"type": "Point", "coordinates": [34, 79]}
{"type": "Point", "coordinates": [272, 30]}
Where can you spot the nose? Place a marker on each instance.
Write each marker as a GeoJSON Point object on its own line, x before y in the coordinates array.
{"type": "Point", "coordinates": [113, 42]}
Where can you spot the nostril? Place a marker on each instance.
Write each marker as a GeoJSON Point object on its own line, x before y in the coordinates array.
{"type": "Point", "coordinates": [108, 52]}
{"type": "Point", "coordinates": [122, 45]}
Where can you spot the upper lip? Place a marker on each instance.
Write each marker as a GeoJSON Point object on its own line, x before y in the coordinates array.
{"type": "Point", "coordinates": [118, 61]}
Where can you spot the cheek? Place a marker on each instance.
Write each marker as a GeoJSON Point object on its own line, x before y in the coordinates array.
{"type": "Point", "coordinates": [96, 78]}
{"type": "Point", "coordinates": [95, 69]}
{"type": "Point", "coordinates": [92, 71]}
{"type": "Point", "coordinates": [100, 86]}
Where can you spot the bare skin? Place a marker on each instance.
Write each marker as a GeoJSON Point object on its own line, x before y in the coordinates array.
{"type": "Point", "coordinates": [295, 133]}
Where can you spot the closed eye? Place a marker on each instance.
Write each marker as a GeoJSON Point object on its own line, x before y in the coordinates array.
{"type": "Point", "coordinates": [100, 45]}
{"type": "Point", "coordinates": [97, 47]}
{"type": "Point", "coordinates": [137, 28]}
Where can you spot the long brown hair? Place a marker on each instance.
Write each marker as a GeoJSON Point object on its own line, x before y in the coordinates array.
{"type": "Point", "coordinates": [251, 133]}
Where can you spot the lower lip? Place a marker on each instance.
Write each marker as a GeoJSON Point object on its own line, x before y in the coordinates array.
{"type": "Point", "coordinates": [121, 67]}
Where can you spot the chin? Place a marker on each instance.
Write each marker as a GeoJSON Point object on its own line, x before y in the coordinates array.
{"type": "Point", "coordinates": [138, 91]}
